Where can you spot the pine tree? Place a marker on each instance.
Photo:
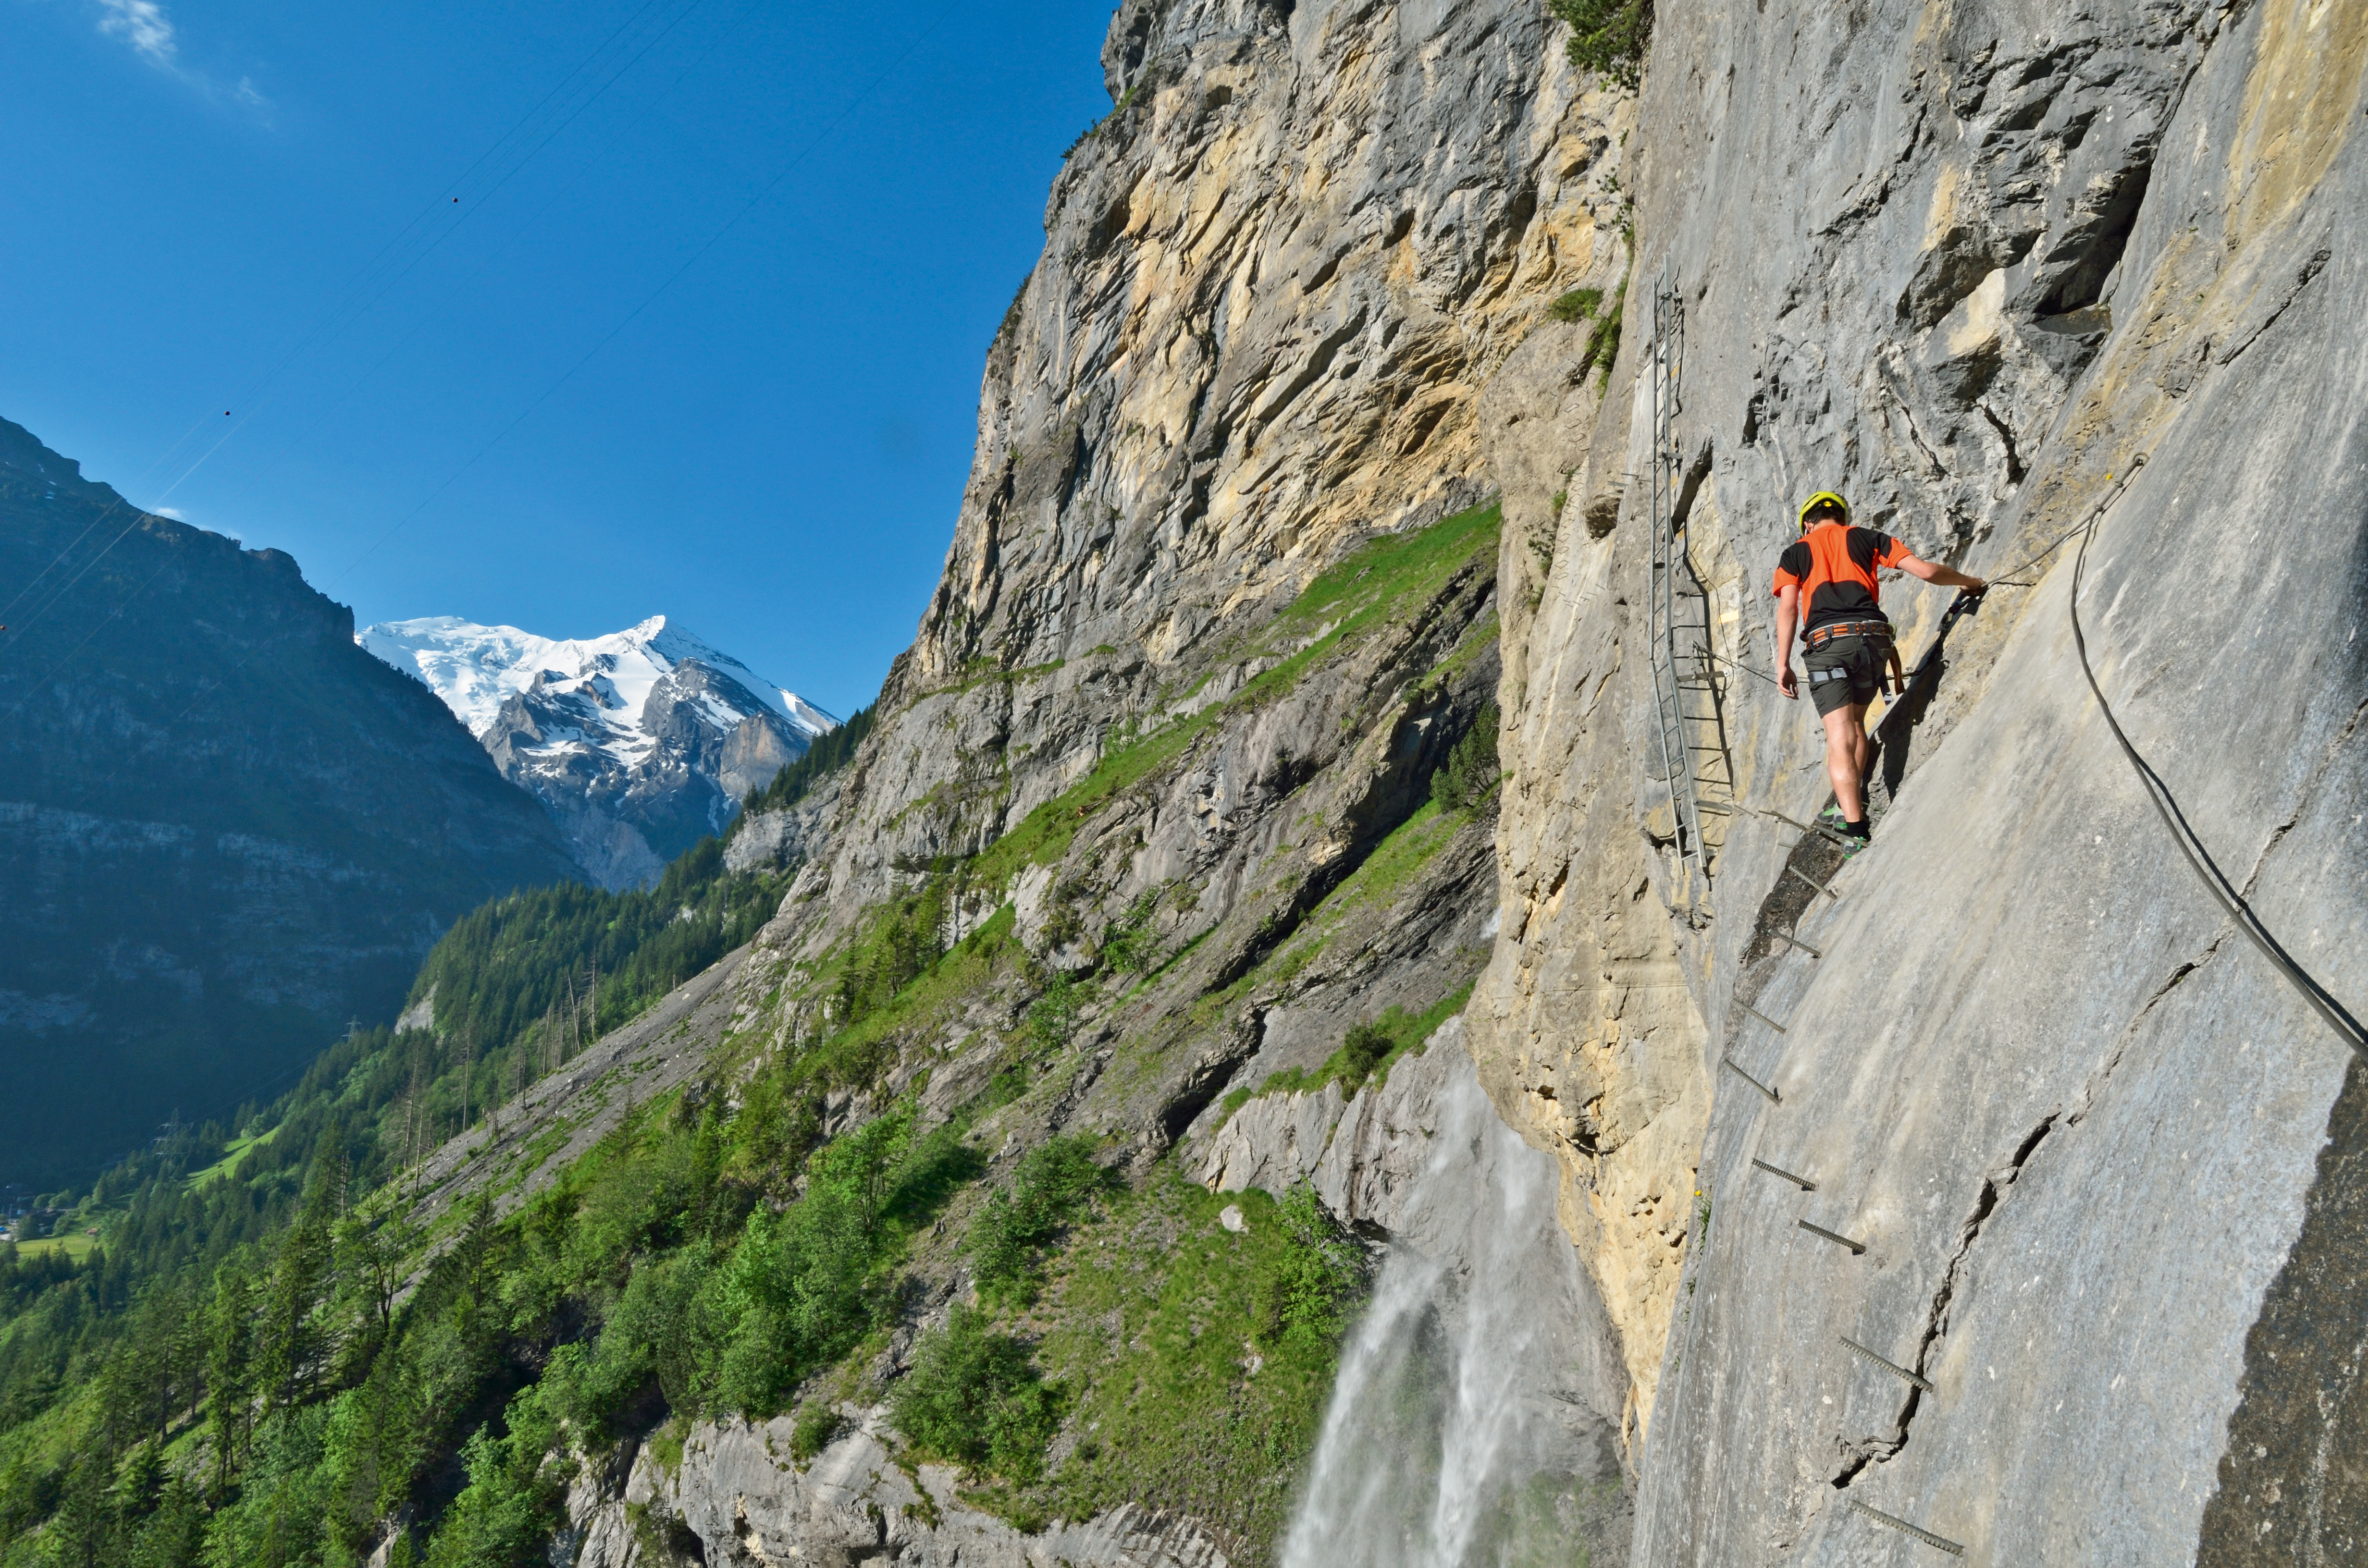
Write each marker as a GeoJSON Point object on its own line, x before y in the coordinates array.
{"type": "Point", "coordinates": [289, 1345]}
{"type": "Point", "coordinates": [230, 1349]}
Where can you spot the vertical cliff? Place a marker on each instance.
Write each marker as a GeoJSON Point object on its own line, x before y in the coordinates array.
{"type": "Point", "coordinates": [1968, 265]}
{"type": "Point", "coordinates": [1274, 281]}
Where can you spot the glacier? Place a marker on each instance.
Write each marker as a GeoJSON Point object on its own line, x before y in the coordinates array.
{"type": "Point", "coordinates": [640, 742]}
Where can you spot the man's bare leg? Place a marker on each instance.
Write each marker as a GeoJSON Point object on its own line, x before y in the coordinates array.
{"type": "Point", "coordinates": [1848, 751]}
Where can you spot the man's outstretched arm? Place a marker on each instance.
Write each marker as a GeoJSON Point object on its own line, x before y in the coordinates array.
{"type": "Point", "coordinates": [1940, 576]}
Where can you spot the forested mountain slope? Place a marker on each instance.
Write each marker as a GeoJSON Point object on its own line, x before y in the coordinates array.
{"type": "Point", "coordinates": [226, 830]}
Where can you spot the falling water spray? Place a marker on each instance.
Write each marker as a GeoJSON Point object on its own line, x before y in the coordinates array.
{"type": "Point", "coordinates": [1465, 1428]}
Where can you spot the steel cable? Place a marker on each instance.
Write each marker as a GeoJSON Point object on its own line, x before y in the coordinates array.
{"type": "Point", "coordinates": [2166, 806]}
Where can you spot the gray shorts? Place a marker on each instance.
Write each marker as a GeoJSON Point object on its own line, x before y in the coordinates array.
{"type": "Point", "coordinates": [1847, 671]}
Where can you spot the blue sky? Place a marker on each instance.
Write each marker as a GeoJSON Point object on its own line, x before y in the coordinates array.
{"type": "Point", "coordinates": [233, 205]}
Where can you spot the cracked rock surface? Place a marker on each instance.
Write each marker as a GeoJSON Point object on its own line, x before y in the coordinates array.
{"type": "Point", "coordinates": [1967, 265]}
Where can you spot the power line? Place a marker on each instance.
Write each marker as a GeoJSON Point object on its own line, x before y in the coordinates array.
{"type": "Point", "coordinates": [450, 194]}
{"type": "Point", "coordinates": [322, 415]}
{"type": "Point", "coordinates": [352, 313]}
{"type": "Point", "coordinates": [334, 325]}
{"type": "Point", "coordinates": [796, 160]}
{"type": "Point", "coordinates": [631, 316]}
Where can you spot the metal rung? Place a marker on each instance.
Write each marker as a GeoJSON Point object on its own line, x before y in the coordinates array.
{"type": "Point", "coordinates": [1904, 1527]}
{"type": "Point", "coordinates": [1761, 1016]}
{"type": "Point", "coordinates": [1839, 1240]}
{"type": "Point", "coordinates": [1893, 1368]}
{"type": "Point", "coordinates": [1819, 829]}
{"type": "Point", "coordinates": [1804, 1183]}
{"type": "Point", "coordinates": [1784, 936]}
{"type": "Point", "coordinates": [1713, 806]}
{"type": "Point", "coordinates": [1813, 882]}
{"type": "Point", "coordinates": [1728, 1062]}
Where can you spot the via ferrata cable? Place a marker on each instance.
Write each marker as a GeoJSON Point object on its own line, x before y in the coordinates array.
{"type": "Point", "coordinates": [2166, 805]}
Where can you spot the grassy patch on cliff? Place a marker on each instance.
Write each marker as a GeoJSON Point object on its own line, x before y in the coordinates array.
{"type": "Point", "coordinates": [1366, 1053]}
{"type": "Point", "coordinates": [1365, 591]}
{"type": "Point", "coordinates": [895, 976]}
{"type": "Point", "coordinates": [1382, 875]}
{"type": "Point", "coordinates": [1193, 1360]}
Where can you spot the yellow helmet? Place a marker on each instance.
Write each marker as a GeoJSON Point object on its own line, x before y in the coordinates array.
{"type": "Point", "coordinates": [1822, 498]}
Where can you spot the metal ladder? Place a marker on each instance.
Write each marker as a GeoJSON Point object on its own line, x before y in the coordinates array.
{"type": "Point", "coordinates": [1678, 639]}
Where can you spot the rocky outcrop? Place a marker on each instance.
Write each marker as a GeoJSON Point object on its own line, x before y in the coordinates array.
{"type": "Point", "coordinates": [738, 1497]}
{"type": "Point", "coordinates": [1361, 1151]}
{"type": "Point", "coordinates": [228, 834]}
{"type": "Point", "coordinates": [2073, 1118]}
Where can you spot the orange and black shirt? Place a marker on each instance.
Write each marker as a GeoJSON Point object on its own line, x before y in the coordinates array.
{"type": "Point", "coordinates": [1833, 566]}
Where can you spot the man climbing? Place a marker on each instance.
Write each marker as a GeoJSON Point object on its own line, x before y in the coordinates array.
{"type": "Point", "coordinates": [1848, 638]}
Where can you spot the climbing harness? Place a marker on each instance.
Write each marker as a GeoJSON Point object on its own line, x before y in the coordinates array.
{"type": "Point", "coordinates": [1832, 629]}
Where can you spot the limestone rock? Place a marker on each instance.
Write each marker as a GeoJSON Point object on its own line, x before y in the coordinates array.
{"type": "Point", "coordinates": [1967, 267]}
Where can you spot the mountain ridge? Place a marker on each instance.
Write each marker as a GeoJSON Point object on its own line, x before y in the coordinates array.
{"type": "Point", "coordinates": [219, 858]}
{"type": "Point", "coordinates": [639, 743]}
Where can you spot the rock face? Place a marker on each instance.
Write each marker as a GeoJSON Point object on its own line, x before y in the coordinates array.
{"type": "Point", "coordinates": [227, 831]}
{"type": "Point", "coordinates": [745, 1502]}
{"type": "Point", "coordinates": [640, 744]}
{"type": "Point", "coordinates": [1274, 280]}
{"type": "Point", "coordinates": [2075, 1119]}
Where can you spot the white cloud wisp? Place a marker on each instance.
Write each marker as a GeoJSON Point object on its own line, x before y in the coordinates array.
{"type": "Point", "coordinates": [143, 25]}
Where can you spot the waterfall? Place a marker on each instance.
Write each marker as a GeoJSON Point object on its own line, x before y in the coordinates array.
{"type": "Point", "coordinates": [1465, 1429]}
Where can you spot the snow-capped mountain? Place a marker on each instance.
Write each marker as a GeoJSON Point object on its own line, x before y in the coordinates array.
{"type": "Point", "coordinates": [640, 742]}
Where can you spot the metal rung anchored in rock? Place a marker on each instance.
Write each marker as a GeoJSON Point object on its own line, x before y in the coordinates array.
{"type": "Point", "coordinates": [1728, 1062]}
{"type": "Point", "coordinates": [1813, 882]}
{"type": "Point", "coordinates": [1904, 1527]}
{"type": "Point", "coordinates": [1833, 1236]}
{"type": "Point", "coordinates": [1893, 1368]}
